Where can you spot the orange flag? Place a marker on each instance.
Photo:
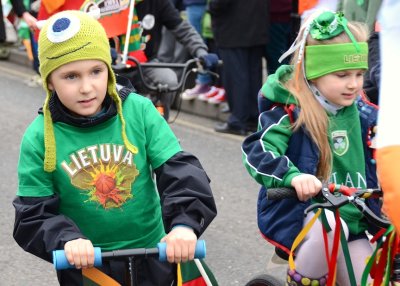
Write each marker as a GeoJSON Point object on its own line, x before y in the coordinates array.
{"type": "Point", "coordinates": [52, 5]}
{"type": "Point", "coordinates": [388, 140]}
{"type": "Point", "coordinates": [305, 5]}
{"type": "Point", "coordinates": [113, 15]}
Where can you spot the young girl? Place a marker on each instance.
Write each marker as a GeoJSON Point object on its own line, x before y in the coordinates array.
{"type": "Point", "coordinates": [87, 161]}
{"type": "Point", "coordinates": [314, 129]}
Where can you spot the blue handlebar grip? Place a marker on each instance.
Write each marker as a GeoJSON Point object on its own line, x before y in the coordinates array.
{"type": "Point", "coordinates": [199, 252]}
{"type": "Point", "coordinates": [60, 259]}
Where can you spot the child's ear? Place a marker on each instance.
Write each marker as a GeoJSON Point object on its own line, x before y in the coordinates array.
{"type": "Point", "coordinates": [50, 86]}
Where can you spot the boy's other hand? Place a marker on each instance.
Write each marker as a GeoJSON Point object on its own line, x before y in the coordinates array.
{"type": "Point", "coordinates": [80, 252]}
{"type": "Point", "coordinates": [181, 244]}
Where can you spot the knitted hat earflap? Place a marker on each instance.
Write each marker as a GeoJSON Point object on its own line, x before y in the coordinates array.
{"type": "Point", "coordinates": [49, 138]}
{"type": "Point", "coordinates": [112, 91]}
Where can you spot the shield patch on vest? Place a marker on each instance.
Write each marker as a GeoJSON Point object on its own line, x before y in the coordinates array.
{"type": "Point", "coordinates": [340, 142]}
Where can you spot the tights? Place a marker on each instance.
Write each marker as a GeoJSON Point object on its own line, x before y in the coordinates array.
{"type": "Point", "coordinates": [311, 260]}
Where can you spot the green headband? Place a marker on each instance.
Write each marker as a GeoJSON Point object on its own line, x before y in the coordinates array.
{"type": "Point", "coordinates": [323, 59]}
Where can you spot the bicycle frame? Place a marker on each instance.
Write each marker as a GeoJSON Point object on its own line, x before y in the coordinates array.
{"type": "Point", "coordinates": [349, 195]}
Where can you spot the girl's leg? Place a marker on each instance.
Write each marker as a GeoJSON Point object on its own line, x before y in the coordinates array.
{"type": "Point", "coordinates": [360, 250]}
{"type": "Point", "coordinates": [310, 257]}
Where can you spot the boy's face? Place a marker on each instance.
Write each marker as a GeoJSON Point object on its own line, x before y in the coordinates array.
{"type": "Point", "coordinates": [81, 86]}
{"type": "Point", "coordinates": [342, 87]}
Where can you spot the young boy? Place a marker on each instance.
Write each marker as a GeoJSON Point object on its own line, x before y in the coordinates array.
{"type": "Point", "coordinates": [86, 165]}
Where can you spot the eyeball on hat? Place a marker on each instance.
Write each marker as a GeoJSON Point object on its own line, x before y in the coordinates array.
{"type": "Point", "coordinates": [63, 29]}
{"type": "Point", "coordinates": [66, 37]}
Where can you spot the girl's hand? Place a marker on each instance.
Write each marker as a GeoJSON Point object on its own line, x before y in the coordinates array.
{"type": "Point", "coordinates": [181, 244]}
{"type": "Point", "coordinates": [80, 252]}
{"type": "Point", "coordinates": [307, 186]}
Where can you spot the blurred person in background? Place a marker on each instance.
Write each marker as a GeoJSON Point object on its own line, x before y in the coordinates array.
{"type": "Point", "coordinates": [240, 31]}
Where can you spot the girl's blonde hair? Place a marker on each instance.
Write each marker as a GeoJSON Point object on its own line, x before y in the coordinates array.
{"type": "Point", "coordinates": [312, 115]}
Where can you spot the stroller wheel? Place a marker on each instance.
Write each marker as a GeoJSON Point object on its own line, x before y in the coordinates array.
{"type": "Point", "coordinates": [4, 52]}
{"type": "Point", "coordinates": [264, 280]}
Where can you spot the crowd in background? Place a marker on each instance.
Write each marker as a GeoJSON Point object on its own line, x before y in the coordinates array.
{"type": "Point", "coordinates": [249, 38]}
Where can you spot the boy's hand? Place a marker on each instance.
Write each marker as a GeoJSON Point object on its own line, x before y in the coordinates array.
{"type": "Point", "coordinates": [307, 186]}
{"type": "Point", "coordinates": [80, 252]}
{"type": "Point", "coordinates": [181, 244]}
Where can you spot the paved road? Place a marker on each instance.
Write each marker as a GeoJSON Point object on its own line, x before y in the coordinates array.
{"type": "Point", "coordinates": [235, 250]}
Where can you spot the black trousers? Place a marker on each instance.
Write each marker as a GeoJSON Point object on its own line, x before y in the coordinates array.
{"type": "Point", "coordinates": [242, 79]}
{"type": "Point", "coordinates": [147, 272]}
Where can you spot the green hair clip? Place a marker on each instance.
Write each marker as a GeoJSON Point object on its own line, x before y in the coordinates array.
{"type": "Point", "coordinates": [328, 25]}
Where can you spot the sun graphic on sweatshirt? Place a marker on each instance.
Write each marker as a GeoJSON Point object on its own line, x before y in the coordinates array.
{"type": "Point", "coordinates": [107, 184]}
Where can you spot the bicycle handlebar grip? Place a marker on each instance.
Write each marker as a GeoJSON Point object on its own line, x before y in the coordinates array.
{"type": "Point", "coordinates": [199, 252]}
{"type": "Point", "coordinates": [281, 193]}
{"type": "Point", "coordinates": [60, 259]}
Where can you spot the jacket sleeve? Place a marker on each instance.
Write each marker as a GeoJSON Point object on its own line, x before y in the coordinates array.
{"type": "Point", "coordinates": [190, 38]}
{"type": "Point", "coordinates": [38, 227]}
{"type": "Point", "coordinates": [263, 152]}
{"type": "Point", "coordinates": [184, 33]}
{"type": "Point", "coordinates": [186, 196]}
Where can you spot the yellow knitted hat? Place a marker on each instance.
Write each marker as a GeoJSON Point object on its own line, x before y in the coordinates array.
{"type": "Point", "coordinates": [66, 37]}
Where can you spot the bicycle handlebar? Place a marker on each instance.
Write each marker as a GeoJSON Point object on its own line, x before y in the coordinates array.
{"type": "Point", "coordinates": [281, 193]}
{"type": "Point", "coordinates": [332, 201]}
{"type": "Point", "coordinates": [60, 261]}
{"type": "Point", "coordinates": [159, 87]}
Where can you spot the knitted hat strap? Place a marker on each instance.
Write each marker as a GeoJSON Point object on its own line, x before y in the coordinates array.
{"type": "Point", "coordinates": [49, 139]}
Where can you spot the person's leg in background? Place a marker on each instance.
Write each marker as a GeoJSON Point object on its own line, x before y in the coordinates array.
{"type": "Point", "coordinates": [242, 77]}
{"type": "Point", "coordinates": [217, 93]}
{"type": "Point", "coordinates": [35, 80]}
{"type": "Point", "coordinates": [2, 26]}
{"type": "Point", "coordinates": [34, 46]}
{"type": "Point", "coordinates": [195, 13]}
{"type": "Point", "coordinates": [256, 81]}
{"type": "Point", "coordinates": [279, 32]}
{"type": "Point", "coordinates": [279, 43]}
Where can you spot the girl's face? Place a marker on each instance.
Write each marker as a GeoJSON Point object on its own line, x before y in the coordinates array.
{"type": "Point", "coordinates": [342, 87]}
{"type": "Point", "coordinates": [81, 86]}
